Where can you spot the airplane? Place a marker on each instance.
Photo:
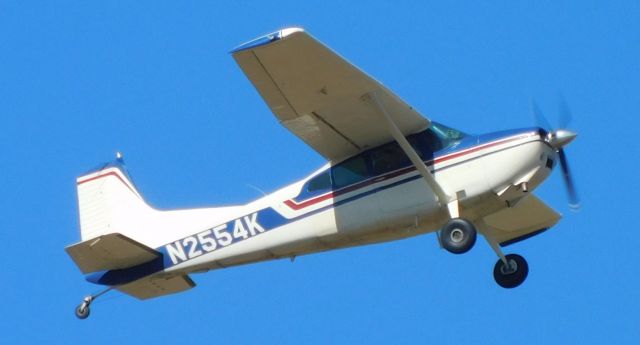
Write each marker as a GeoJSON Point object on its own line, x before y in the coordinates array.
{"type": "Point", "coordinates": [391, 173]}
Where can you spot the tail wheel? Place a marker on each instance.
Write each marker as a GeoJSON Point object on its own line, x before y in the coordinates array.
{"type": "Point", "coordinates": [82, 311]}
{"type": "Point", "coordinates": [458, 236]}
{"type": "Point", "coordinates": [513, 274]}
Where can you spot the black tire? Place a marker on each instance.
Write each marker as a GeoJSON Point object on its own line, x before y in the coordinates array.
{"type": "Point", "coordinates": [458, 236]}
{"type": "Point", "coordinates": [510, 279]}
{"type": "Point", "coordinates": [82, 311]}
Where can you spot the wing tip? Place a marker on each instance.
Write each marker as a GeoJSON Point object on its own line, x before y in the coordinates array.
{"type": "Point", "coordinates": [266, 39]}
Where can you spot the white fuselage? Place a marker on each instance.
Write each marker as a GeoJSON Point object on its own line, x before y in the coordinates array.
{"type": "Point", "coordinates": [395, 205]}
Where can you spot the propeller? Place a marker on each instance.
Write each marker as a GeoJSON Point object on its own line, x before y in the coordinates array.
{"type": "Point", "coordinates": [558, 138]}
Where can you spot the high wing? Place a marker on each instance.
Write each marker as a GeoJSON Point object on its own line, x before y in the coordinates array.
{"type": "Point", "coordinates": [321, 97]}
{"type": "Point", "coordinates": [527, 218]}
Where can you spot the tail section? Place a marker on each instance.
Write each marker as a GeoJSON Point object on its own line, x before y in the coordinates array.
{"type": "Point", "coordinates": [120, 234]}
{"type": "Point", "coordinates": [118, 229]}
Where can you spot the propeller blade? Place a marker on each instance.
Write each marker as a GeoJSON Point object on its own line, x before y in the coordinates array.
{"type": "Point", "coordinates": [539, 117]}
{"type": "Point", "coordinates": [565, 116]}
{"type": "Point", "coordinates": [574, 200]}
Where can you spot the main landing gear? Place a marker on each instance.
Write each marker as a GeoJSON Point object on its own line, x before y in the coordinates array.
{"type": "Point", "coordinates": [458, 236]}
{"type": "Point", "coordinates": [82, 310]}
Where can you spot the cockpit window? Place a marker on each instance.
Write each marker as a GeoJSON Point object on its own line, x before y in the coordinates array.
{"type": "Point", "coordinates": [383, 159]}
{"type": "Point", "coordinates": [350, 171]}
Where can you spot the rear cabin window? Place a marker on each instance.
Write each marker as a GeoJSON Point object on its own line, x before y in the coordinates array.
{"type": "Point", "coordinates": [349, 172]}
{"type": "Point", "coordinates": [320, 182]}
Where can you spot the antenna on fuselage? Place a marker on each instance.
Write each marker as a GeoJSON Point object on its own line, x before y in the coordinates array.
{"type": "Point", "coordinates": [256, 188]}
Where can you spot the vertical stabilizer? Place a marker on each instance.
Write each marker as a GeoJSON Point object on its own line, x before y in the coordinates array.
{"type": "Point", "coordinates": [109, 202]}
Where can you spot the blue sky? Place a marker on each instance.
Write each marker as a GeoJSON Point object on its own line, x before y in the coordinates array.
{"type": "Point", "coordinates": [82, 80]}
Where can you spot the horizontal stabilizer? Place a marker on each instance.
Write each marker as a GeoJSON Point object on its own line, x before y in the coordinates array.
{"type": "Point", "coordinates": [157, 286]}
{"type": "Point", "coordinates": [110, 252]}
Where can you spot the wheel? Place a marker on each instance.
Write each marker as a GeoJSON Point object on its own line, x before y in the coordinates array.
{"type": "Point", "coordinates": [82, 311]}
{"type": "Point", "coordinates": [512, 276]}
{"type": "Point", "coordinates": [458, 236]}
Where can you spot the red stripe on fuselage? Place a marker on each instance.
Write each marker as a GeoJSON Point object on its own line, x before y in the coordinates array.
{"type": "Point", "coordinates": [298, 206]}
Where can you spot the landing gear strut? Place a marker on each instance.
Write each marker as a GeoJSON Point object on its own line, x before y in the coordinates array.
{"type": "Point", "coordinates": [82, 310]}
{"type": "Point", "coordinates": [458, 236]}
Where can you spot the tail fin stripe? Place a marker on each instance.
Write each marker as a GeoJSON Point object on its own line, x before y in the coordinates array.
{"type": "Point", "coordinates": [110, 173]}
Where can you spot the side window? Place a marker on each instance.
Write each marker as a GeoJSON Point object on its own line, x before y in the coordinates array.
{"type": "Point", "coordinates": [350, 172]}
{"type": "Point", "coordinates": [387, 158]}
{"type": "Point", "coordinates": [320, 182]}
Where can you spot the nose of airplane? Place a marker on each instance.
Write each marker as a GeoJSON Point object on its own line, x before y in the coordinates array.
{"type": "Point", "coordinates": [560, 138]}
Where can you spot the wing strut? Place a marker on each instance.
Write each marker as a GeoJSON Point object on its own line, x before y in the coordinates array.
{"type": "Point", "coordinates": [443, 197]}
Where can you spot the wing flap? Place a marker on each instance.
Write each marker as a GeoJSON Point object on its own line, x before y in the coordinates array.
{"type": "Point", "coordinates": [527, 218]}
{"type": "Point", "coordinates": [109, 252]}
{"type": "Point", "coordinates": [156, 286]}
{"type": "Point", "coordinates": [319, 96]}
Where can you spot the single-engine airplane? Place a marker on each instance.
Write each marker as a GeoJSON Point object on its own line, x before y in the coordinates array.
{"type": "Point", "coordinates": [391, 174]}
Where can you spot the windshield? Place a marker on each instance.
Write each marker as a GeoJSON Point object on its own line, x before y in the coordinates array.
{"type": "Point", "coordinates": [448, 136]}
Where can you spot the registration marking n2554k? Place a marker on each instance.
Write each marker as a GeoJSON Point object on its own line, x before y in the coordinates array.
{"type": "Point", "coordinates": [215, 238]}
